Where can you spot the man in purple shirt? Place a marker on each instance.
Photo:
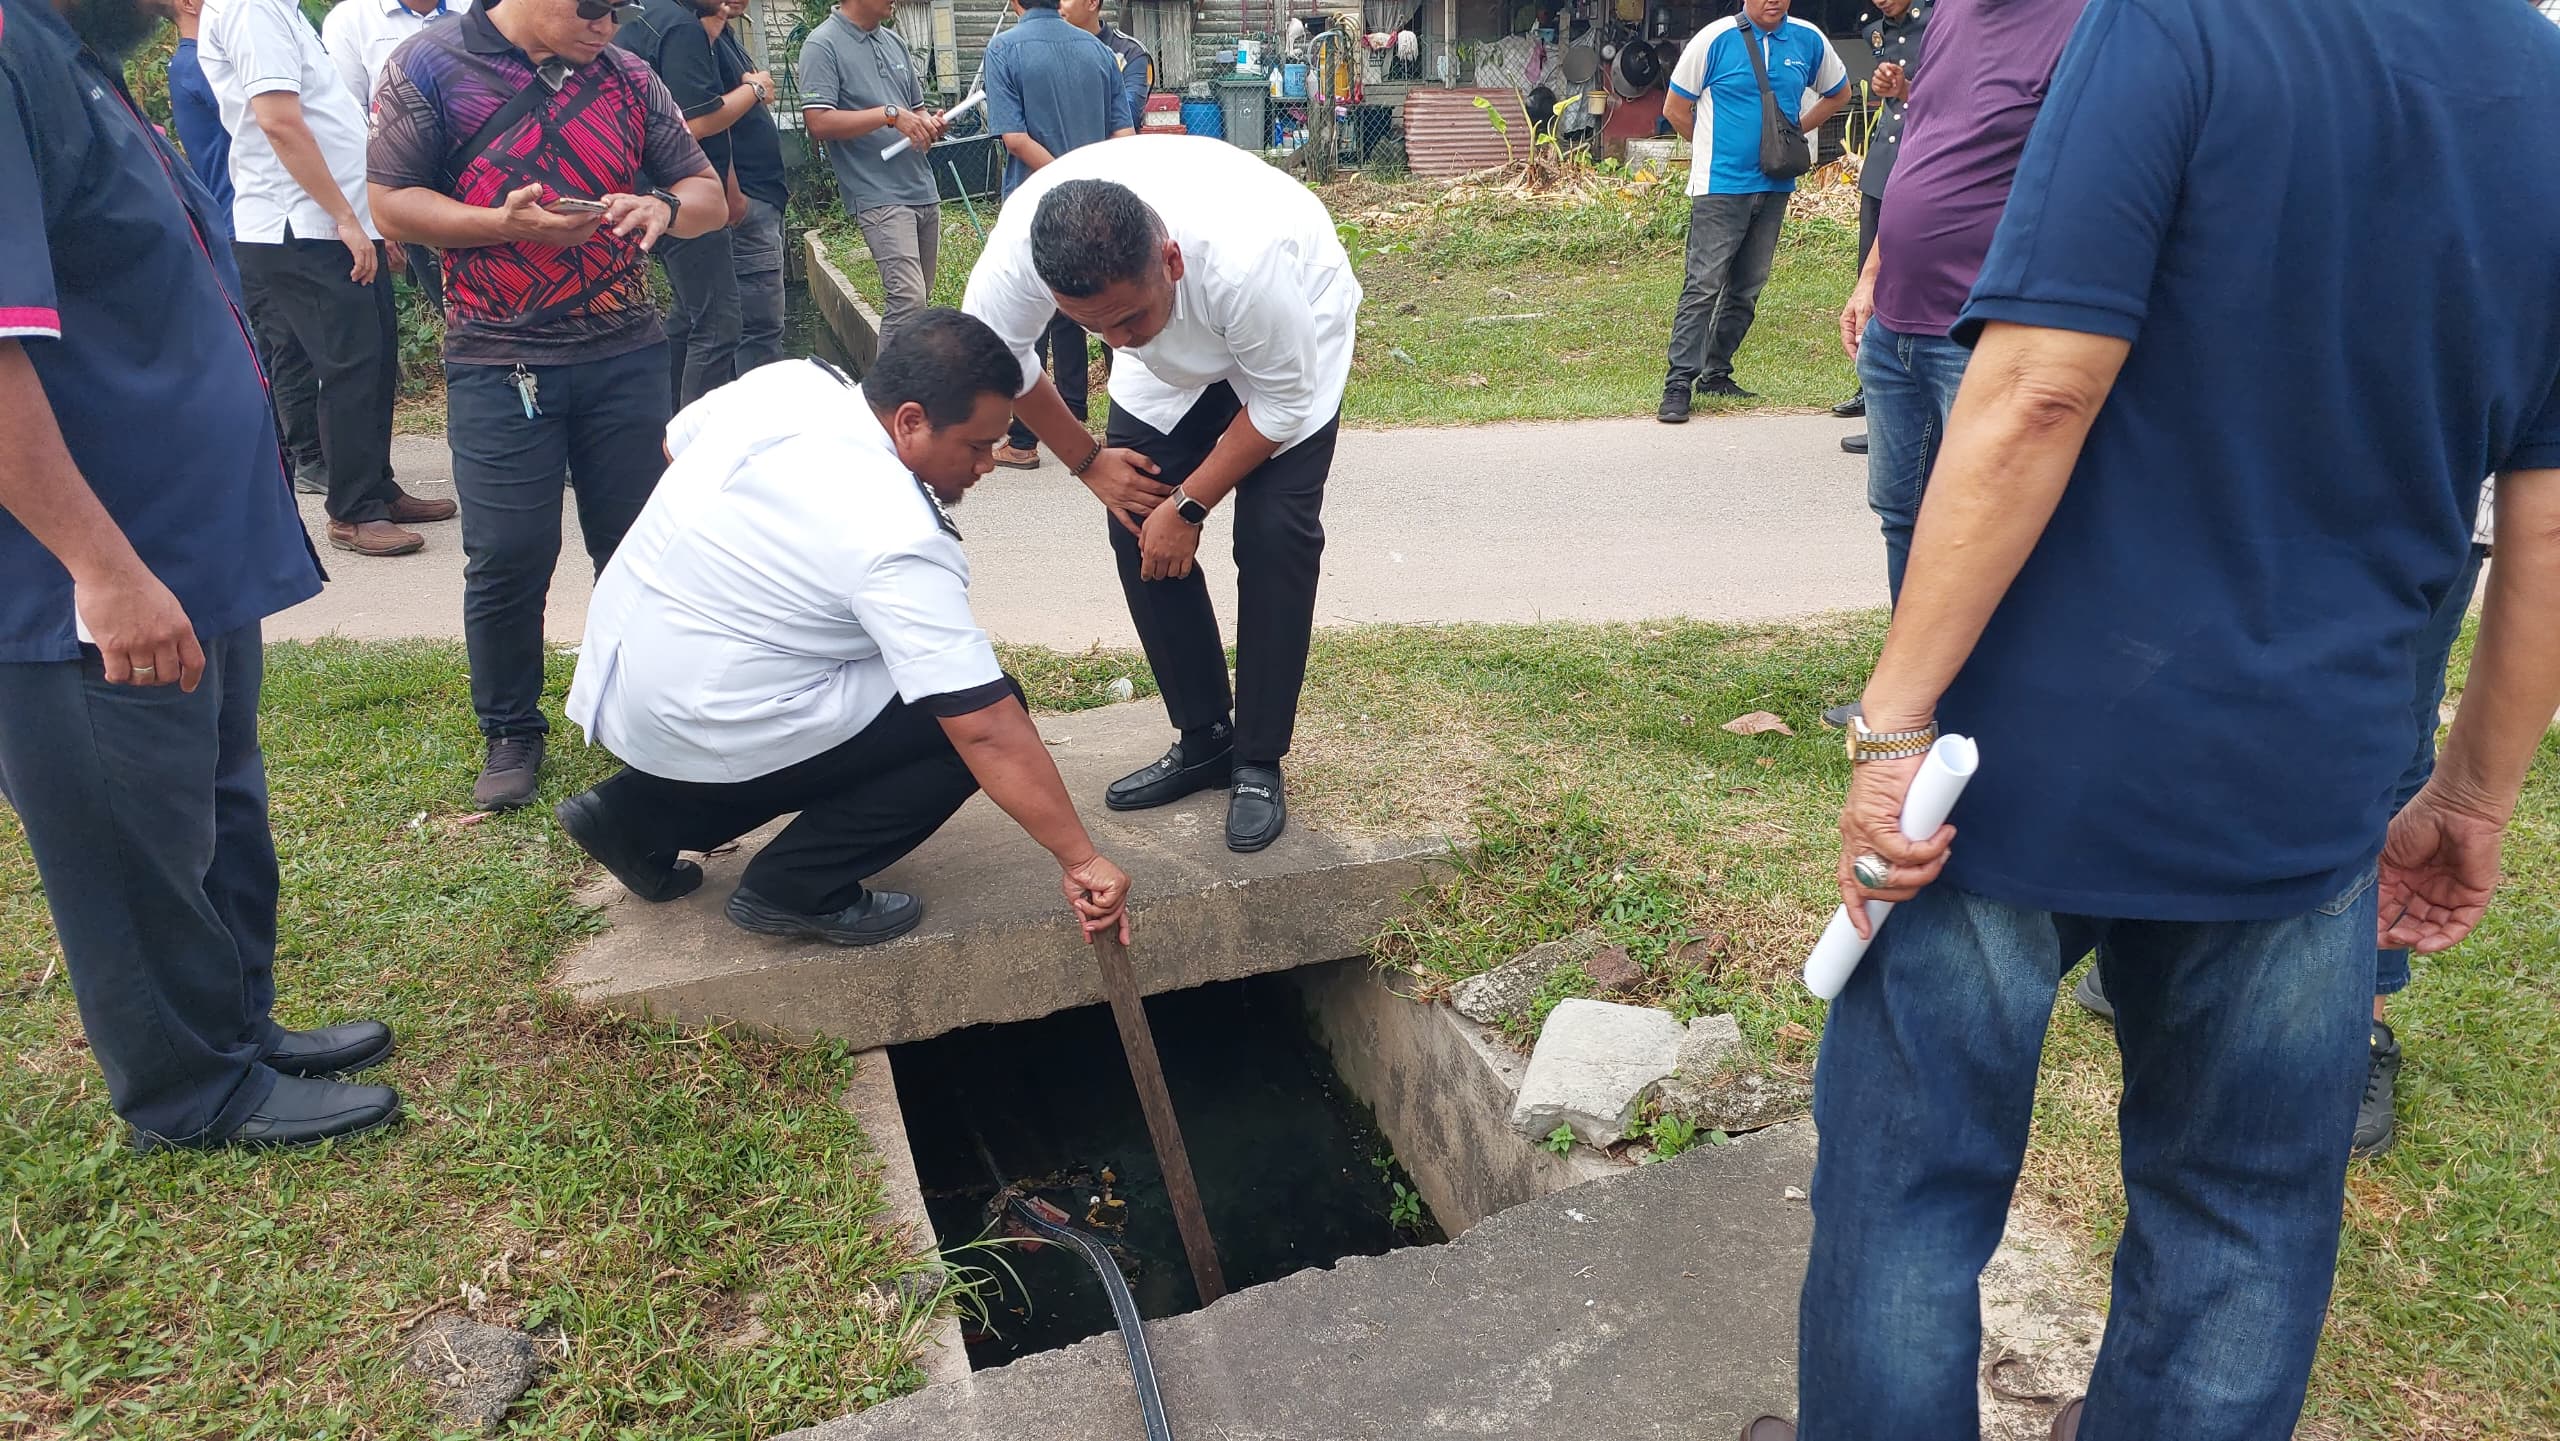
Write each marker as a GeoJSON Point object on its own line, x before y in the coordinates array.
{"type": "Point", "coordinates": [1964, 128]}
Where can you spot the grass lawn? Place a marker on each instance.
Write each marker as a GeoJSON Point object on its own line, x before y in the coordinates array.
{"type": "Point", "coordinates": [693, 1218]}
{"type": "Point", "coordinates": [1490, 307]}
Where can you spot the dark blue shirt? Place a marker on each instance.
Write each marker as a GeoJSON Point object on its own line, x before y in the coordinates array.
{"type": "Point", "coordinates": [116, 278]}
{"type": "Point", "coordinates": [199, 123]}
{"type": "Point", "coordinates": [2194, 703]}
{"type": "Point", "coordinates": [1053, 82]}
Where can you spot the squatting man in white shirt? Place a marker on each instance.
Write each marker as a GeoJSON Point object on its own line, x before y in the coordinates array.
{"type": "Point", "coordinates": [787, 628]}
{"type": "Point", "coordinates": [1226, 296]}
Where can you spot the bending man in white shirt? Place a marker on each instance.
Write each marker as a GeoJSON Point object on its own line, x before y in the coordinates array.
{"type": "Point", "coordinates": [787, 628]}
{"type": "Point", "coordinates": [1221, 285]}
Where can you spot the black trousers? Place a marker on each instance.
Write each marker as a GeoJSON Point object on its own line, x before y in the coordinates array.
{"type": "Point", "coordinates": [346, 336]}
{"type": "Point", "coordinates": [1062, 352]}
{"type": "Point", "coordinates": [146, 807]}
{"type": "Point", "coordinates": [1279, 549]}
{"type": "Point", "coordinates": [863, 805]}
{"type": "Point", "coordinates": [1870, 211]}
{"type": "Point", "coordinates": [598, 427]}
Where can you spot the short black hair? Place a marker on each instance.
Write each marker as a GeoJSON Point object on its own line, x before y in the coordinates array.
{"type": "Point", "coordinates": [1089, 235]}
{"type": "Point", "coordinates": [943, 360]}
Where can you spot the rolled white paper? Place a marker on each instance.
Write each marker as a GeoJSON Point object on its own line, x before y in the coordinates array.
{"type": "Point", "coordinates": [1950, 763]}
{"type": "Point", "coordinates": [968, 102]}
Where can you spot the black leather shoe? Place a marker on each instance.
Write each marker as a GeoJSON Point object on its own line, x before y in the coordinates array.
{"type": "Point", "coordinates": [305, 1112]}
{"type": "Point", "coordinates": [651, 877]}
{"type": "Point", "coordinates": [1257, 809]}
{"type": "Point", "coordinates": [1852, 408]}
{"type": "Point", "coordinates": [878, 916]}
{"type": "Point", "coordinates": [332, 1050]}
{"type": "Point", "coordinates": [1854, 444]}
{"type": "Point", "coordinates": [1177, 773]}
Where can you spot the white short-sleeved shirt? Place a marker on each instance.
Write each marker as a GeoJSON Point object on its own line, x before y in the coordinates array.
{"type": "Point", "coordinates": [266, 47]}
{"type": "Point", "coordinates": [787, 580]}
{"type": "Point", "coordinates": [361, 34]}
{"type": "Point", "coordinates": [1267, 301]}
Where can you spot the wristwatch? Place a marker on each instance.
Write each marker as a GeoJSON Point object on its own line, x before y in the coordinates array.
{"type": "Point", "coordinates": [891, 113]}
{"type": "Point", "coordinates": [673, 205]}
{"type": "Point", "coordinates": [1189, 509]}
{"type": "Point", "coordinates": [1866, 745]}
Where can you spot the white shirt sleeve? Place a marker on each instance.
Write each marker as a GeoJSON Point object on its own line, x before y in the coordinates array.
{"type": "Point", "coordinates": [1006, 292]}
{"type": "Point", "coordinates": [915, 607]}
{"type": "Point", "coordinates": [346, 50]}
{"type": "Point", "coordinates": [1830, 74]}
{"type": "Point", "coordinates": [264, 51]}
{"type": "Point", "coordinates": [1268, 327]}
{"type": "Point", "coordinates": [1689, 75]}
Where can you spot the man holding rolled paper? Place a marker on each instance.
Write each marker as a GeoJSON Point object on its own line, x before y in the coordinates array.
{"type": "Point", "coordinates": [2184, 634]}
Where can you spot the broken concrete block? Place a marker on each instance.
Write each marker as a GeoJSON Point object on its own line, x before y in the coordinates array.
{"type": "Point", "coordinates": [1612, 969]}
{"type": "Point", "coordinates": [474, 1372]}
{"type": "Point", "coordinates": [1706, 1045]}
{"type": "Point", "coordinates": [1734, 1099]}
{"type": "Point", "coordinates": [1595, 1062]}
{"type": "Point", "coordinates": [1493, 998]}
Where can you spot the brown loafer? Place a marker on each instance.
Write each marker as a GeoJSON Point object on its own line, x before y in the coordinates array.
{"type": "Point", "coordinates": [375, 537]}
{"type": "Point", "coordinates": [418, 510]}
{"type": "Point", "coordinates": [1769, 1428]}
{"type": "Point", "coordinates": [2066, 1422]}
{"type": "Point", "coordinates": [1014, 458]}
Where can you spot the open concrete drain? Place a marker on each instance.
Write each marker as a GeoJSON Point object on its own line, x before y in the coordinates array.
{"type": "Point", "coordinates": [1293, 1170]}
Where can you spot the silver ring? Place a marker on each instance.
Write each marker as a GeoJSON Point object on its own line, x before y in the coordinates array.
{"type": "Point", "coordinates": [1873, 871]}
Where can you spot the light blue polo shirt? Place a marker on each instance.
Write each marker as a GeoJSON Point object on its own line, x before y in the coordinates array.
{"type": "Point", "coordinates": [1715, 71]}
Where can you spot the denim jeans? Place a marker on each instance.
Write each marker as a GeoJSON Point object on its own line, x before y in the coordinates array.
{"type": "Point", "coordinates": [598, 428]}
{"type": "Point", "coordinates": [1910, 383]}
{"type": "Point", "coordinates": [702, 326]}
{"type": "Point", "coordinates": [756, 247]}
{"type": "Point", "coordinates": [2435, 653]}
{"type": "Point", "coordinates": [1733, 240]}
{"type": "Point", "coordinates": [2244, 1047]}
{"type": "Point", "coordinates": [146, 807]}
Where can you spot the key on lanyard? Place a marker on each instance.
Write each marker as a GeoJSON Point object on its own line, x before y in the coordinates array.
{"type": "Point", "coordinates": [529, 387]}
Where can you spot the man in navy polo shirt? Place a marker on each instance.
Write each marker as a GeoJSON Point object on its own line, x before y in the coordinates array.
{"type": "Point", "coordinates": [133, 577]}
{"type": "Point", "coordinates": [2185, 633]}
{"type": "Point", "coordinates": [1735, 208]}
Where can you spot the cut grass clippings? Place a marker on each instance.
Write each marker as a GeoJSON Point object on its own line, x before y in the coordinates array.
{"type": "Point", "coordinates": [693, 1222]}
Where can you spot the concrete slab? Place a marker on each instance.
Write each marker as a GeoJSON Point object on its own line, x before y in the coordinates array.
{"type": "Point", "coordinates": [996, 943]}
{"type": "Point", "coordinates": [872, 1097]}
{"type": "Point", "coordinates": [1661, 1303]}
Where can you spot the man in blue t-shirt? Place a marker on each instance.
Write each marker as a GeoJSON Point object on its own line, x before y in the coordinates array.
{"type": "Point", "coordinates": [145, 531]}
{"type": "Point", "coordinates": [2174, 573]}
{"type": "Point", "coordinates": [1731, 72]}
{"type": "Point", "coordinates": [195, 115]}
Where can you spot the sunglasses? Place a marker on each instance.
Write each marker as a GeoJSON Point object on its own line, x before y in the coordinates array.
{"type": "Point", "coordinates": [602, 10]}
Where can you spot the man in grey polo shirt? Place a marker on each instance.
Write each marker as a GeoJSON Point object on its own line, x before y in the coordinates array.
{"type": "Point", "coordinates": [859, 94]}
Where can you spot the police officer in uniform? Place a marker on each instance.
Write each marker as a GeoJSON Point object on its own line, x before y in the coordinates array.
{"type": "Point", "coordinates": [1892, 32]}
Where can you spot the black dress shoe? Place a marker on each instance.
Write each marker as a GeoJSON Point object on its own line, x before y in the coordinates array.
{"type": "Point", "coordinates": [878, 916]}
{"type": "Point", "coordinates": [332, 1050]}
{"type": "Point", "coordinates": [1257, 809]}
{"type": "Point", "coordinates": [1854, 444]}
{"type": "Point", "coordinates": [301, 1112]}
{"type": "Point", "coordinates": [1177, 773]}
{"type": "Point", "coordinates": [656, 876]}
{"type": "Point", "coordinates": [1852, 408]}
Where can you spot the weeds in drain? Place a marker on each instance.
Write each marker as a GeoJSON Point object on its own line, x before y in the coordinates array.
{"type": "Point", "coordinates": [1560, 1140]}
{"type": "Point", "coordinates": [1667, 1135]}
{"type": "Point", "coordinates": [1404, 1203]}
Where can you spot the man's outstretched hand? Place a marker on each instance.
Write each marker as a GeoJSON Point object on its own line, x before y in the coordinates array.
{"type": "Point", "coordinates": [2439, 868]}
{"type": "Point", "coordinates": [1099, 891]}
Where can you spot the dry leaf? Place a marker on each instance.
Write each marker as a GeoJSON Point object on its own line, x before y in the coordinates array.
{"type": "Point", "coordinates": [1756, 723]}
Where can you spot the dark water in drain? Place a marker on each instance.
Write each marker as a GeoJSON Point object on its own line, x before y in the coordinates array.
{"type": "Point", "coordinates": [1287, 1160]}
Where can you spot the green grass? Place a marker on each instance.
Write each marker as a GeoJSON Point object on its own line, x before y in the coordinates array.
{"type": "Point", "coordinates": [694, 1217]}
{"type": "Point", "coordinates": [1598, 282]}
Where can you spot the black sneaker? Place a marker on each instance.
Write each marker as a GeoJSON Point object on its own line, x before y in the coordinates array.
{"type": "Point", "coordinates": [1852, 408]}
{"type": "Point", "coordinates": [2092, 996]}
{"type": "Point", "coordinates": [650, 876]}
{"type": "Point", "coordinates": [1675, 405]}
{"type": "Point", "coordinates": [1257, 809]}
{"type": "Point", "coordinates": [878, 916]}
{"type": "Point", "coordinates": [2376, 1126]}
{"type": "Point", "coordinates": [1724, 387]}
{"type": "Point", "coordinates": [1193, 764]}
{"type": "Point", "coordinates": [509, 776]}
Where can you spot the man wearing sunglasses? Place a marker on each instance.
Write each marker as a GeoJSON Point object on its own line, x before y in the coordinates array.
{"type": "Point", "coordinates": [545, 162]}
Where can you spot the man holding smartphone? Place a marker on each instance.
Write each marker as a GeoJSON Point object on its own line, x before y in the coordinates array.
{"type": "Point", "coordinates": [488, 132]}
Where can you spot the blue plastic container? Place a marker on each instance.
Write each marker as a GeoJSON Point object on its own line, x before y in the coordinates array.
{"type": "Point", "coordinates": [1203, 117]}
{"type": "Point", "coordinates": [1293, 82]}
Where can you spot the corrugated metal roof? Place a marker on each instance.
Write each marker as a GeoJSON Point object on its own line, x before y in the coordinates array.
{"type": "Point", "coordinates": [1446, 134]}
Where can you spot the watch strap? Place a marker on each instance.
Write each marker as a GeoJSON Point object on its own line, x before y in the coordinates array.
{"type": "Point", "coordinates": [1866, 745]}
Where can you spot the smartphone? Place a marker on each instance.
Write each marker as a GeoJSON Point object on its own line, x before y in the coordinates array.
{"type": "Point", "coordinates": [573, 205]}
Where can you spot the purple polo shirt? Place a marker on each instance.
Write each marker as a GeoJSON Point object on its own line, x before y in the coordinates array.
{"type": "Point", "coordinates": [1971, 108]}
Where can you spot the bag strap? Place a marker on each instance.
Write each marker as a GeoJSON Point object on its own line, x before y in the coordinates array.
{"type": "Point", "coordinates": [518, 106]}
{"type": "Point", "coordinates": [1759, 65]}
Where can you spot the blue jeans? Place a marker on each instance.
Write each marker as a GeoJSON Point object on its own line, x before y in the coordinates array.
{"type": "Point", "coordinates": [1910, 382]}
{"type": "Point", "coordinates": [2244, 1048]}
{"type": "Point", "coordinates": [2435, 653]}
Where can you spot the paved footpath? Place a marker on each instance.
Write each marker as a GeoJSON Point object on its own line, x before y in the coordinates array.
{"type": "Point", "coordinates": [1738, 518]}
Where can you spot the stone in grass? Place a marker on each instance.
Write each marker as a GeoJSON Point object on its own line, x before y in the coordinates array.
{"type": "Point", "coordinates": [1595, 1063]}
{"type": "Point", "coordinates": [475, 1372]}
{"type": "Point", "coordinates": [1717, 1090]}
{"type": "Point", "coordinates": [1612, 969]}
{"type": "Point", "coordinates": [1493, 998]}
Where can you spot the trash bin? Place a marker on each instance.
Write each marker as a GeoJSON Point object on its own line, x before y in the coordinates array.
{"type": "Point", "coordinates": [1243, 105]}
